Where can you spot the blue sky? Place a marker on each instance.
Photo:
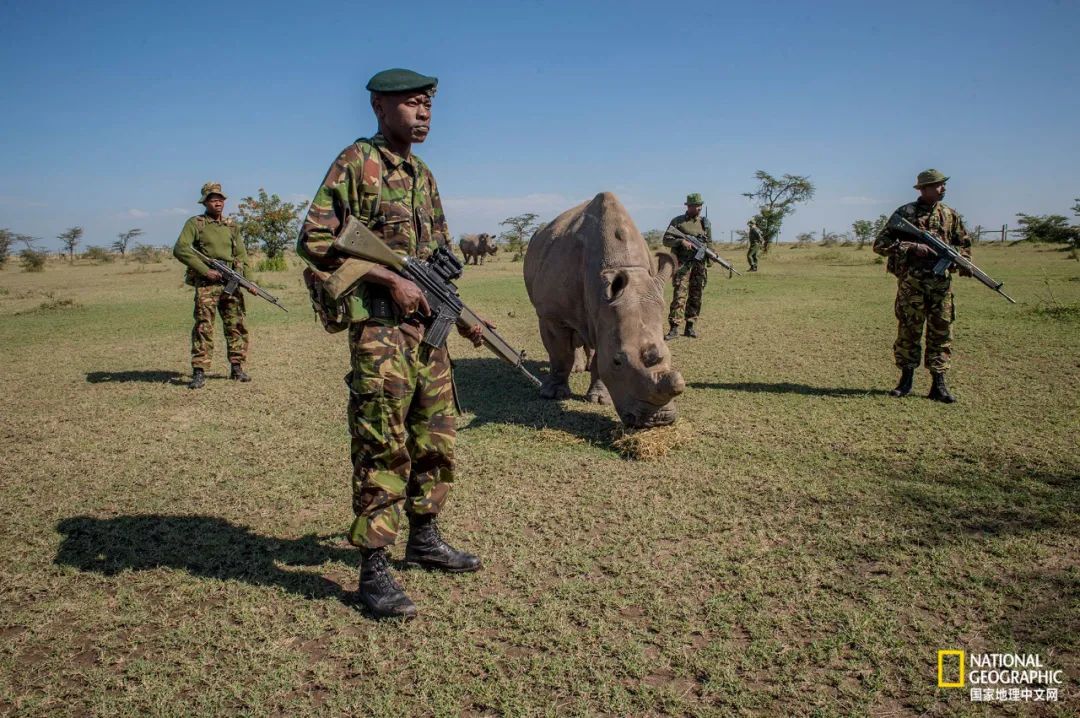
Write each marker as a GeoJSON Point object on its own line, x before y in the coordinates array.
{"type": "Point", "coordinates": [115, 113]}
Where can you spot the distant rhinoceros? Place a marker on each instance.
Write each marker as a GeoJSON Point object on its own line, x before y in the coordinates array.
{"type": "Point", "coordinates": [593, 282]}
{"type": "Point", "coordinates": [476, 246]}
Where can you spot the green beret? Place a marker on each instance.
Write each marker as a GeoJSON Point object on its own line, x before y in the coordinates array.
{"type": "Point", "coordinates": [398, 80]}
{"type": "Point", "coordinates": [930, 177]}
{"type": "Point", "coordinates": [694, 198]}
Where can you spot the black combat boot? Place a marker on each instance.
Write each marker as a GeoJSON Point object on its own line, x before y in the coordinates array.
{"type": "Point", "coordinates": [690, 331]}
{"type": "Point", "coordinates": [238, 373]}
{"type": "Point", "coordinates": [904, 387]}
{"type": "Point", "coordinates": [427, 549]}
{"type": "Point", "coordinates": [672, 333]}
{"type": "Point", "coordinates": [938, 390]}
{"type": "Point", "coordinates": [379, 593]}
{"type": "Point", "coordinates": [198, 379]}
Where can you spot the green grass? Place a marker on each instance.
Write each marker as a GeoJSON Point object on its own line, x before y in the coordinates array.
{"type": "Point", "coordinates": [169, 552]}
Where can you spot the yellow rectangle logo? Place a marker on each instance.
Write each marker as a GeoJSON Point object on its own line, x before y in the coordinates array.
{"type": "Point", "coordinates": [942, 683]}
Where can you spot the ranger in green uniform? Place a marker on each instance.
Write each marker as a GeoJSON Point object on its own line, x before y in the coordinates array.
{"type": "Point", "coordinates": [922, 297]}
{"type": "Point", "coordinates": [217, 237]}
{"type": "Point", "coordinates": [756, 239]}
{"type": "Point", "coordinates": [690, 278]}
{"type": "Point", "coordinates": [401, 395]}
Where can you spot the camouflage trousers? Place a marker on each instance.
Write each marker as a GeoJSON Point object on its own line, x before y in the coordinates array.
{"type": "Point", "coordinates": [688, 284]}
{"type": "Point", "coordinates": [922, 300]}
{"type": "Point", "coordinates": [401, 419]}
{"type": "Point", "coordinates": [752, 255]}
{"type": "Point", "coordinates": [209, 300]}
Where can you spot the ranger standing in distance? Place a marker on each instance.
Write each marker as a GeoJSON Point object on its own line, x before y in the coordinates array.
{"type": "Point", "coordinates": [756, 239]}
{"type": "Point", "coordinates": [923, 298]}
{"type": "Point", "coordinates": [690, 278]}
{"type": "Point", "coordinates": [217, 237]}
{"type": "Point", "coordinates": [401, 396]}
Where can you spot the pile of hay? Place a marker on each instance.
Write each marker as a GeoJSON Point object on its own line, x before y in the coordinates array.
{"type": "Point", "coordinates": [650, 444]}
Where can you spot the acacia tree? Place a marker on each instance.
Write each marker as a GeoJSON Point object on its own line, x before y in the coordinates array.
{"type": "Point", "coordinates": [519, 230]}
{"type": "Point", "coordinates": [776, 199]}
{"type": "Point", "coordinates": [70, 237]}
{"type": "Point", "coordinates": [272, 221]}
{"type": "Point", "coordinates": [124, 238]}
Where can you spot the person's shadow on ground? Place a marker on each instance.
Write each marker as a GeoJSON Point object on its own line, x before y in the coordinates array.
{"type": "Point", "coordinates": [150, 376]}
{"type": "Point", "coordinates": [787, 388]}
{"type": "Point", "coordinates": [203, 546]}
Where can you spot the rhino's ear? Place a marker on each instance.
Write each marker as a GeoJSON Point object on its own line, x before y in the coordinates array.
{"type": "Point", "coordinates": [615, 282]}
{"type": "Point", "coordinates": [665, 267]}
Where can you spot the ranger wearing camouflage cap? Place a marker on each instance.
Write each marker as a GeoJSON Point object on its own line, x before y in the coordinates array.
{"type": "Point", "coordinates": [690, 278]}
{"type": "Point", "coordinates": [218, 237]}
{"type": "Point", "coordinates": [401, 397]}
{"type": "Point", "coordinates": [922, 297]}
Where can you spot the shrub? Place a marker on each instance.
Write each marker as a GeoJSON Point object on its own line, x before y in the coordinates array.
{"type": "Point", "coordinates": [144, 254]}
{"type": "Point", "coordinates": [32, 260]}
{"type": "Point", "coordinates": [98, 255]}
{"type": "Point", "coordinates": [273, 264]}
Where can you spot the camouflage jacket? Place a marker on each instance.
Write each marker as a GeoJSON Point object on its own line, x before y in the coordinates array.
{"type": "Point", "coordinates": [216, 238]}
{"type": "Point", "coordinates": [939, 220]}
{"type": "Point", "coordinates": [395, 196]}
{"type": "Point", "coordinates": [754, 235]}
{"type": "Point", "coordinates": [697, 226]}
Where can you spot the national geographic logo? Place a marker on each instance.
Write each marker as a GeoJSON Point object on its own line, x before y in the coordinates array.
{"type": "Point", "coordinates": [1012, 677]}
{"type": "Point", "coordinates": [947, 668]}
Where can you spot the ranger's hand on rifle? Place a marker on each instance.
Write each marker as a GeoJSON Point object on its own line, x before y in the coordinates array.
{"type": "Point", "coordinates": [475, 334]}
{"type": "Point", "coordinates": [687, 245]}
{"type": "Point", "coordinates": [213, 275]}
{"type": "Point", "coordinates": [917, 248]}
{"type": "Point", "coordinates": [408, 296]}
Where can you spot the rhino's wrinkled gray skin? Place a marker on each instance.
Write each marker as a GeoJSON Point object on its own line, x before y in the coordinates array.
{"type": "Point", "coordinates": [593, 281]}
{"type": "Point", "coordinates": [475, 246]}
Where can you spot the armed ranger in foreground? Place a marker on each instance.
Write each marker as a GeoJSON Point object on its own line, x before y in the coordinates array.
{"type": "Point", "coordinates": [947, 255]}
{"type": "Point", "coordinates": [234, 279]}
{"type": "Point", "coordinates": [702, 251]}
{"type": "Point", "coordinates": [435, 279]}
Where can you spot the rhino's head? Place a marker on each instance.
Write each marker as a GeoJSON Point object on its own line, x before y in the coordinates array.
{"type": "Point", "coordinates": [631, 356]}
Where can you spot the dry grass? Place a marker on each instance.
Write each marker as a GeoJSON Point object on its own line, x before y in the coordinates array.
{"type": "Point", "coordinates": [169, 552]}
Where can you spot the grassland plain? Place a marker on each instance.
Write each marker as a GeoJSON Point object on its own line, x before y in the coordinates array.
{"type": "Point", "coordinates": [175, 553]}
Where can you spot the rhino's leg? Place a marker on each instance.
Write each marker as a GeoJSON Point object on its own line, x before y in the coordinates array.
{"type": "Point", "coordinates": [598, 393]}
{"type": "Point", "coordinates": [582, 354]}
{"type": "Point", "coordinates": [559, 342]}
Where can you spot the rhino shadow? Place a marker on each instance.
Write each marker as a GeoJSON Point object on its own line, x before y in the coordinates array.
{"type": "Point", "coordinates": [150, 376]}
{"type": "Point", "coordinates": [787, 388]}
{"type": "Point", "coordinates": [497, 394]}
{"type": "Point", "coordinates": [203, 546]}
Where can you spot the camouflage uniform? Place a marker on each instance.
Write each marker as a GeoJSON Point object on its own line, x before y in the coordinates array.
{"type": "Point", "coordinates": [690, 278]}
{"type": "Point", "coordinates": [401, 403]}
{"type": "Point", "coordinates": [218, 239]}
{"type": "Point", "coordinates": [921, 296]}
{"type": "Point", "coordinates": [756, 239]}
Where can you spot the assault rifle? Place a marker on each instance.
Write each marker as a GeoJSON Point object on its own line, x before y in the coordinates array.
{"type": "Point", "coordinates": [234, 279]}
{"type": "Point", "coordinates": [435, 278]}
{"type": "Point", "coordinates": [947, 255]}
{"type": "Point", "coordinates": [702, 251]}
